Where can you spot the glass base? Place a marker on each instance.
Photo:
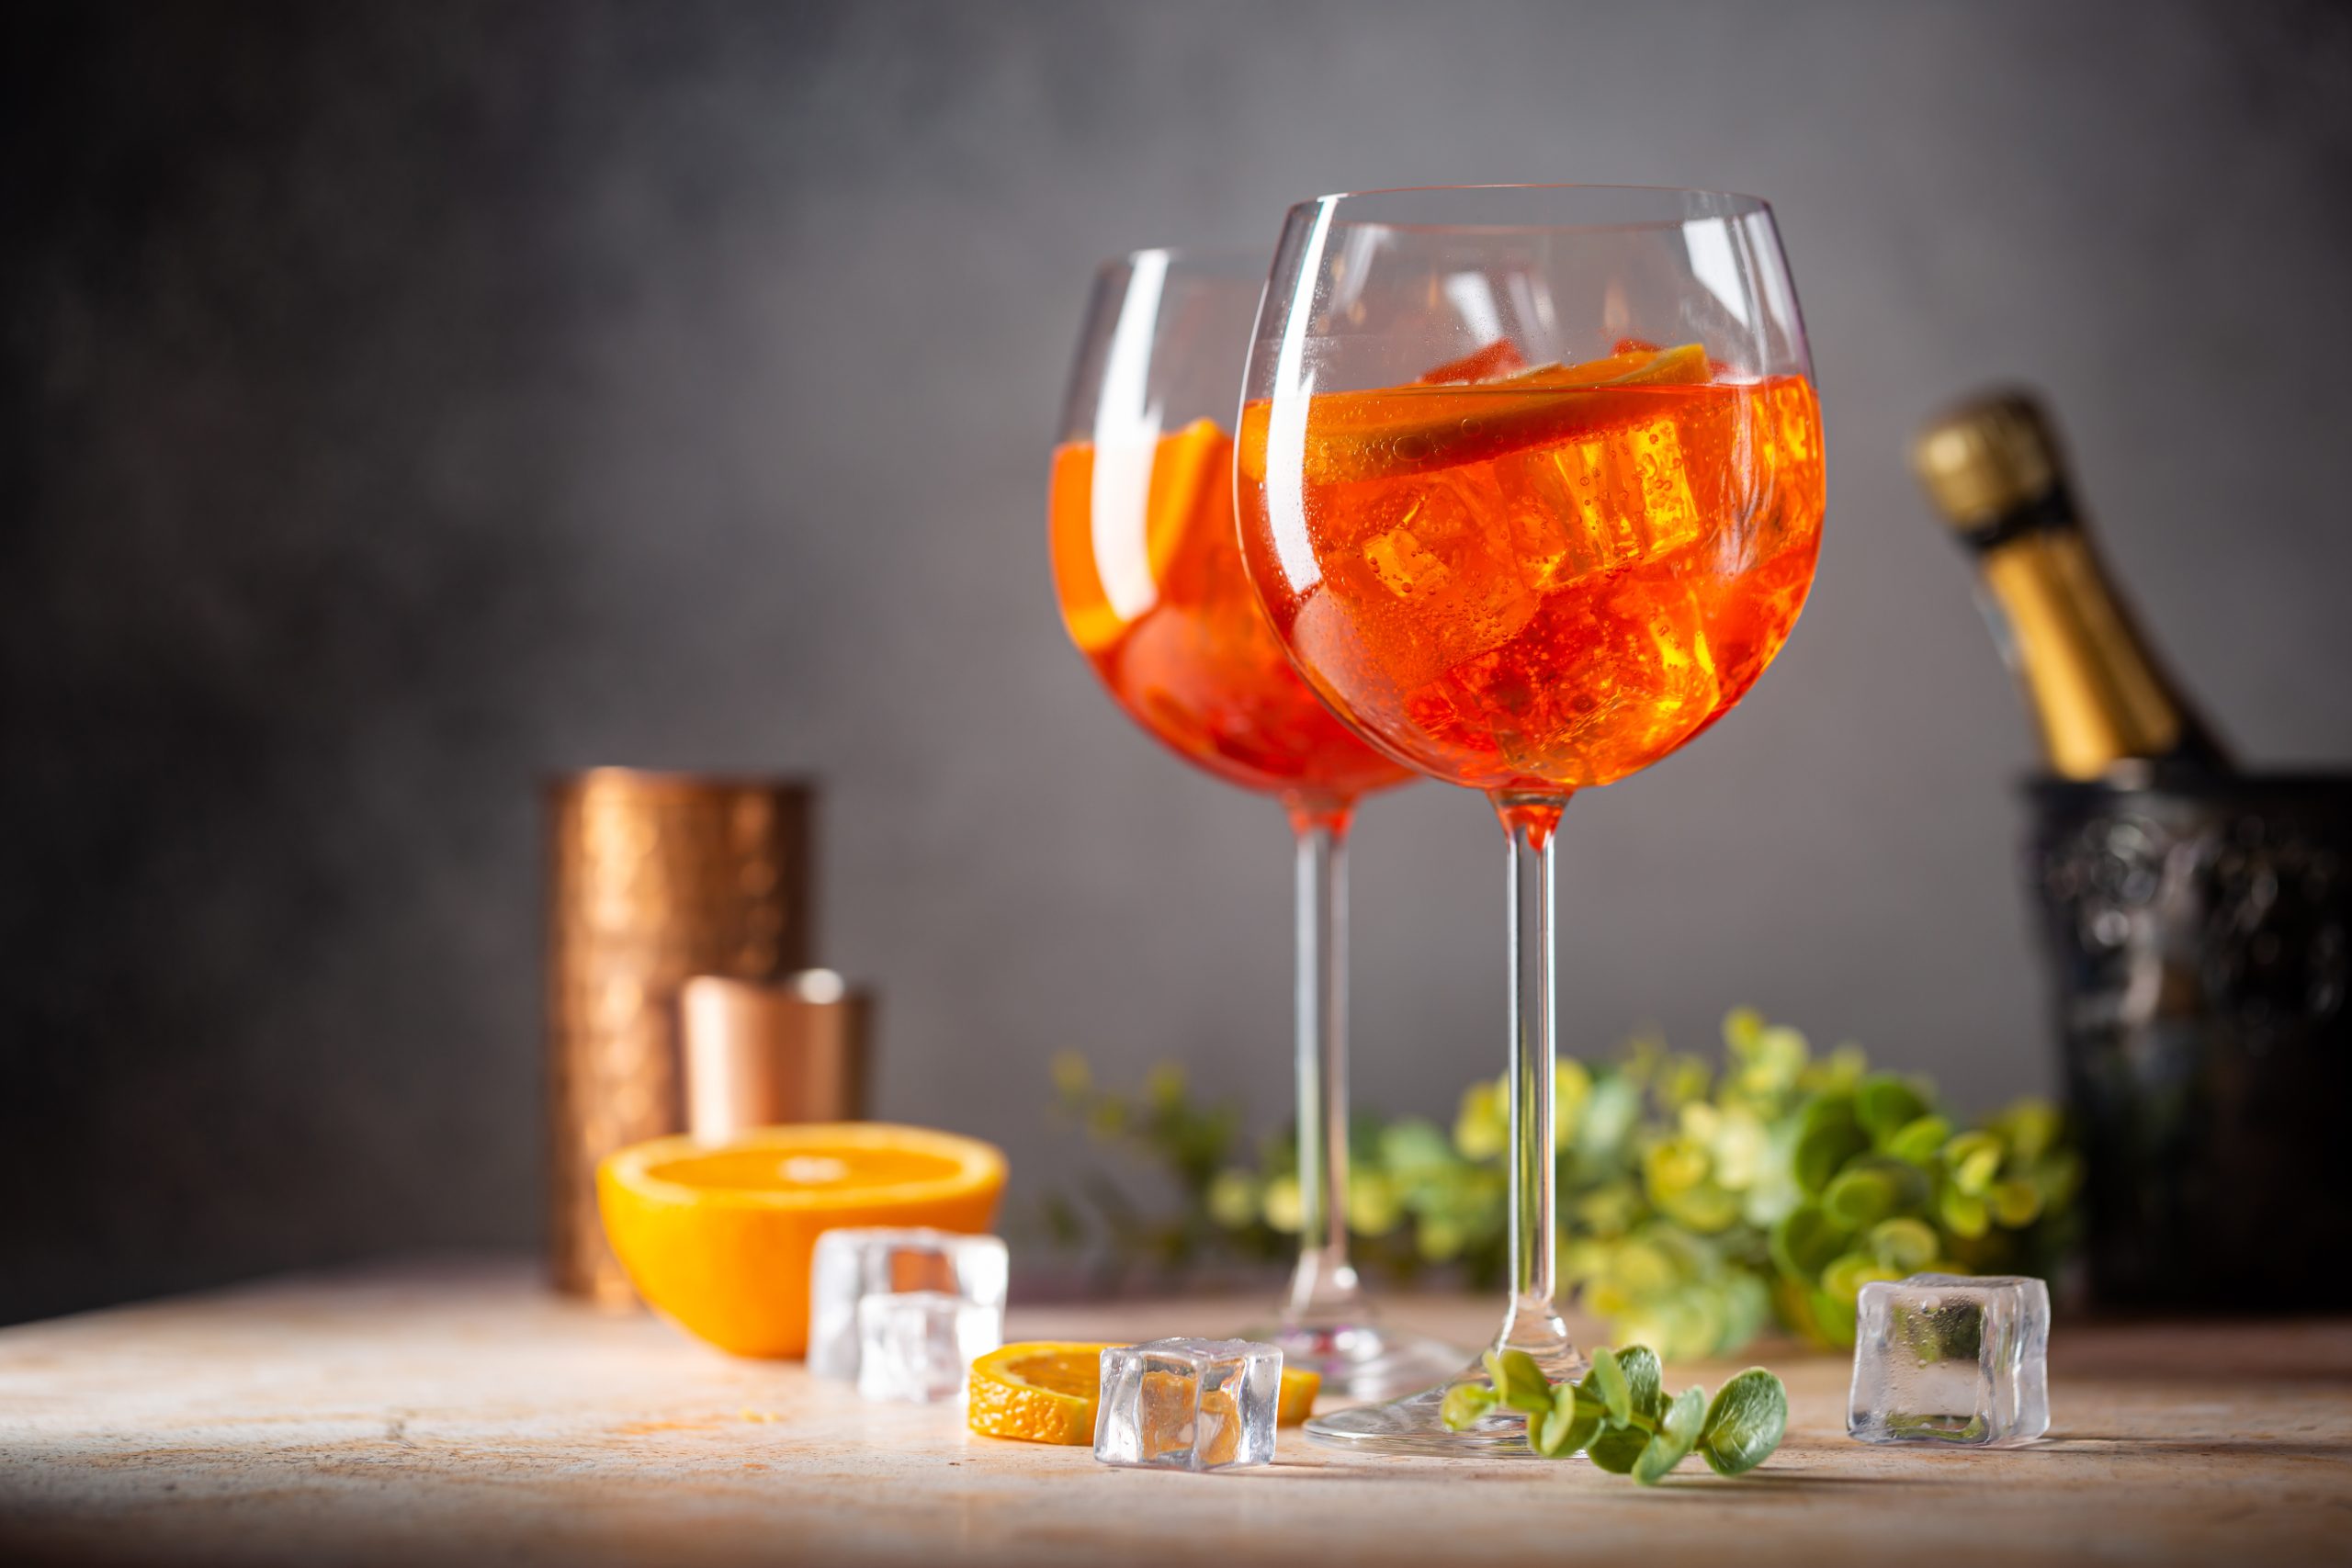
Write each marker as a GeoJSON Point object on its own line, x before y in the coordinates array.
{"type": "Point", "coordinates": [1412, 1427]}
{"type": "Point", "coordinates": [1359, 1359]}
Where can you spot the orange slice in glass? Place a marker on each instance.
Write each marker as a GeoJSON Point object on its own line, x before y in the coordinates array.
{"type": "Point", "coordinates": [718, 1236]}
{"type": "Point", "coordinates": [1405, 429]}
{"type": "Point", "coordinates": [1185, 469]}
{"type": "Point", "coordinates": [1188, 486]}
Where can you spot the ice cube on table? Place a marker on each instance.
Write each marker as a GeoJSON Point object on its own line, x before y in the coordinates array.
{"type": "Point", "coordinates": [918, 1345]}
{"type": "Point", "coordinates": [1188, 1403]}
{"type": "Point", "coordinates": [1951, 1359]}
{"type": "Point", "coordinates": [854, 1263]}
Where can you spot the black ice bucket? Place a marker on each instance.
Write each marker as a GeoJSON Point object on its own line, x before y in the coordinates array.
{"type": "Point", "coordinates": [2197, 933]}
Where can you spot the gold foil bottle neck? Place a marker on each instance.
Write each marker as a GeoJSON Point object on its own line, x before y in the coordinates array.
{"type": "Point", "coordinates": [1987, 457]}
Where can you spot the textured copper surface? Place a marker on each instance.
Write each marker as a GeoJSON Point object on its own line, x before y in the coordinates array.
{"type": "Point", "coordinates": [653, 878]}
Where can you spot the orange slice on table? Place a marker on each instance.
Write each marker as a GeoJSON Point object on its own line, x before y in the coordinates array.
{"type": "Point", "coordinates": [1296, 1402]}
{"type": "Point", "coordinates": [1394, 430]}
{"type": "Point", "coordinates": [1048, 1391]}
{"type": "Point", "coordinates": [718, 1236]}
{"type": "Point", "coordinates": [1042, 1392]}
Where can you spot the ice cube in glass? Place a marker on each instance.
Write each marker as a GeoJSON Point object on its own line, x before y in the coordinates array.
{"type": "Point", "coordinates": [1188, 1403]}
{"type": "Point", "coordinates": [917, 1346]}
{"type": "Point", "coordinates": [857, 1262]}
{"type": "Point", "coordinates": [1951, 1359]}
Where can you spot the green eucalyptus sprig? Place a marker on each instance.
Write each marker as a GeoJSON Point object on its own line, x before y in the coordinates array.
{"type": "Point", "coordinates": [1619, 1416]}
{"type": "Point", "coordinates": [1699, 1197]}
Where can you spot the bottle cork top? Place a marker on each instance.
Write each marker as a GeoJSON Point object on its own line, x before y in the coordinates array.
{"type": "Point", "coordinates": [1986, 456]}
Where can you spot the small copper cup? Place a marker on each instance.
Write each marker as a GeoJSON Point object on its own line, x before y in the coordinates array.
{"type": "Point", "coordinates": [654, 879]}
{"type": "Point", "coordinates": [759, 1055]}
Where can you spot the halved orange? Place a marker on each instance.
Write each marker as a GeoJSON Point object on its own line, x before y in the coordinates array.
{"type": "Point", "coordinates": [719, 1235]}
{"type": "Point", "coordinates": [1047, 1391]}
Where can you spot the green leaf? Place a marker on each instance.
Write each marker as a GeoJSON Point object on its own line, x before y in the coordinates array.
{"type": "Point", "coordinates": [1833, 1318]}
{"type": "Point", "coordinates": [1607, 1383]}
{"type": "Point", "coordinates": [1618, 1450]}
{"type": "Point", "coordinates": [1962, 1214]}
{"type": "Point", "coordinates": [1907, 1244]}
{"type": "Point", "coordinates": [1571, 1425]}
{"type": "Point", "coordinates": [1644, 1380]}
{"type": "Point", "coordinates": [1708, 1210]}
{"type": "Point", "coordinates": [2015, 1204]}
{"type": "Point", "coordinates": [1805, 1240]}
{"type": "Point", "coordinates": [1232, 1199]}
{"type": "Point", "coordinates": [1778, 1059]}
{"type": "Point", "coordinates": [1919, 1142]}
{"type": "Point", "coordinates": [1678, 1430]}
{"type": "Point", "coordinates": [1518, 1382]}
{"type": "Point", "coordinates": [1463, 1404]}
{"type": "Point", "coordinates": [1859, 1199]}
{"type": "Point", "coordinates": [1481, 1128]}
{"type": "Point", "coordinates": [1415, 1148]}
{"type": "Point", "coordinates": [1746, 1423]}
{"type": "Point", "coordinates": [1975, 1159]}
{"type": "Point", "coordinates": [1885, 1104]}
{"type": "Point", "coordinates": [1830, 1136]}
{"type": "Point", "coordinates": [1677, 1165]}
{"type": "Point", "coordinates": [1872, 1188]}
{"type": "Point", "coordinates": [1844, 1279]}
{"type": "Point", "coordinates": [2033, 1126]}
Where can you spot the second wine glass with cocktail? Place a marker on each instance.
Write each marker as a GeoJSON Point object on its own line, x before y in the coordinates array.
{"type": "Point", "coordinates": [1148, 566]}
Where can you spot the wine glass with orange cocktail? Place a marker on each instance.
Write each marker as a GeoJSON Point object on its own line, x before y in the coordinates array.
{"type": "Point", "coordinates": [1530, 482]}
{"type": "Point", "coordinates": [1147, 567]}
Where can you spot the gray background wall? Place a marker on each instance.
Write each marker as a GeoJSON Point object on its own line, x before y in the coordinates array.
{"type": "Point", "coordinates": [403, 402]}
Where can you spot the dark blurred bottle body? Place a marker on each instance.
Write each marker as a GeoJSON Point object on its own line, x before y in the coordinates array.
{"type": "Point", "coordinates": [2195, 917]}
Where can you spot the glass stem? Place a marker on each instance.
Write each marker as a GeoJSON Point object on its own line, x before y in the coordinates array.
{"type": "Point", "coordinates": [1532, 1321]}
{"type": "Point", "coordinates": [1323, 1289]}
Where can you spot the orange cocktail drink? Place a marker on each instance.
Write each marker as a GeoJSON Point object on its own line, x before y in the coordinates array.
{"type": "Point", "coordinates": [1543, 579]}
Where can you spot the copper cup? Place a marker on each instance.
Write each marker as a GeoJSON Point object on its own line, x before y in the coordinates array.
{"type": "Point", "coordinates": [654, 879]}
{"type": "Point", "coordinates": [762, 1056]}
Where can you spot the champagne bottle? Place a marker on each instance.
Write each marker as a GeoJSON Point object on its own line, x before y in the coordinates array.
{"type": "Point", "coordinates": [2105, 706]}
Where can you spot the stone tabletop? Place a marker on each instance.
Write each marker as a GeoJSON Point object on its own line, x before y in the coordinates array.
{"type": "Point", "coordinates": [459, 1414]}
